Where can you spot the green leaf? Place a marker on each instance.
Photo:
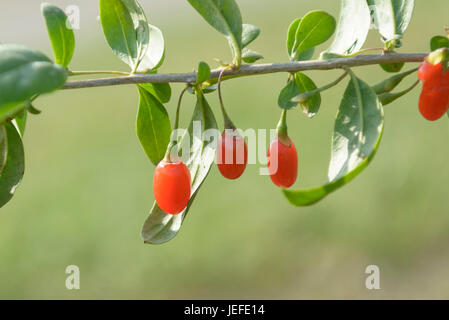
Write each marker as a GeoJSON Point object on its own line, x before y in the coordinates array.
{"type": "Point", "coordinates": [357, 135]}
{"type": "Point", "coordinates": [314, 28]}
{"type": "Point", "coordinates": [251, 56]}
{"type": "Point", "coordinates": [203, 73]}
{"type": "Point", "coordinates": [155, 54]}
{"type": "Point", "coordinates": [300, 84]}
{"type": "Point", "coordinates": [249, 34]}
{"type": "Point", "coordinates": [3, 147]}
{"type": "Point", "coordinates": [305, 84]}
{"type": "Point", "coordinates": [60, 33]}
{"type": "Point", "coordinates": [438, 42]}
{"type": "Point", "coordinates": [392, 67]}
{"type": "Point", "coordinates": [153, 126]}
{"type": "Point", "coordinates": [353, 27]}
{"type": "Point", "coordinates": [21, 121]}
{"type": "Point", "coordinates": [290, 91]}
{"type": "Point", "coordinates": [24, 73]}
{"type": "Point", "coordinates": [161, 227]}
{"type": "Point", "coordinates": [126, 30]}
{"type": "Point", "coordinates": [162, 91]}
{"type": "Point", "coordinates": [225, 17]}
{"type": "Point", "coordinates": [389, 84]}
{"type": "Point", "coordinates": [14, 166]}
{"type": "Point", "coordinates": [392, 18]}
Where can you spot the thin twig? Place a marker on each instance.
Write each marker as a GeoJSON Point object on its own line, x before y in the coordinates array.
{"type": "Point", "coordinates": [248, 70]}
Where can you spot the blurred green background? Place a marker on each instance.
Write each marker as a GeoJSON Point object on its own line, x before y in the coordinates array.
{"type": "Point", "coordinates": [87, 187]}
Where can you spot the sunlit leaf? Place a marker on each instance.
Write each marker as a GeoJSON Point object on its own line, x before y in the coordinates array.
{"type": "Point", "coordinates": [161, 227]}
{"type": "Point", "coordinates": [249, 34]}
{"type": "Point", "coordinates": [357, 134]}
{"type": "Point", "coordinates": [353, 27]}
{"type": "Point", "coordinates": [60, 33]}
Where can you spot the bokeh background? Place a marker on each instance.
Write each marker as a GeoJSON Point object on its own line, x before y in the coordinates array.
{"type": "Point", "coordinates": [87, 187]}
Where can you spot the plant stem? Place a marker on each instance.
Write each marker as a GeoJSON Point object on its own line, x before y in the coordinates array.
{"type": "Point", "coordinates": [282, 130]}
{"type": "Point", "coordinates": [84, 73]}
{"type": "Point", "coordinates": [227, 121]}
{"type": "Point", "coordinates": [249, 70]}
{"type": "Point", "coordinates": [178, 108]}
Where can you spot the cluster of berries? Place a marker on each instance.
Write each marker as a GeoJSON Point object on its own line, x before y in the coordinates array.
{"type": "Point", "coordinates": [172, 181]}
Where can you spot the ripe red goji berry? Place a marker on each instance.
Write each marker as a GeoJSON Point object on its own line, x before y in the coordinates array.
{"type": "Point", "coordinates": [232, 155]}
{"type": "Point", "coordinates": [283, 162]}
{"type": "Point", "coordinates": [172, 186]}
{"type": "Point", "coordinates": [434, 99]}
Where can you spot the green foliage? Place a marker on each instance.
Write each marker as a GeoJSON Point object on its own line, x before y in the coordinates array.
{"type": "Point", "coordinates": [25, 73]}
{"type": "Point", "coordinates": [161, 227]}
{"type": "Point", "coordinates": [249, 34]}
{"type": "Point", "coordinates": [153, 126]}
{"type": "Point", "coordinates": [300, 84]}
{"type": "Point", "coordinates": [126, 30]}
{"type": "Point", "coordinates": [357, 133]}
{"type": "Point", "coordinates": [251, 56]}
{"type": "Point", "coordinates": [61, 36]}
{"type": "Point", "coordinates": [392, 18]}
{"type": "Point", "coordinates": [162, 91]}
{"type": "Point", "coordinates": [438, 42]}
{"type": "Point", "coordinates": [155, 54]}
{"type": "Point", "coordinates": [313, 29]}
{"type": "Point", "coordinates": [203, 72]}
{"type": "Point", "coordinates": [353, 27]}
{"type": "Point", "coordinates": [13, 162]}
{"type": "Point", "coordinates": [389, 84]}
{"type": "Point", "coordinates": [225, 17]}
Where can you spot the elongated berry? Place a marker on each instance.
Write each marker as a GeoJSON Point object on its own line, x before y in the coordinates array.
{"type": "Point", "coordinates": [283, 162]}
{"type": "Point", "coordinates": [434, 99]}
{"type": "Point", "coordinates": [232, 154]}
{"type": "Point", "coordinates": [172, 186]}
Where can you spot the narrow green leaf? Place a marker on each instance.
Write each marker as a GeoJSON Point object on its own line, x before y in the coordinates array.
{"type": "Point", "coordinates": [249, 34]}
{"type": "Point", "coordinates": [392, 18]}
{"type": "Point", "coordinates": [155, 54]}
{"type": "Point", "coordinates": [357, 134]}
{"type": "Point", "coordinates": [251, 56]}
{"type": "Point", "coordinates": [438, 42]}
{"type": "Point", "coordinates": [389, 84]}
{"type": "Point", "coordinates": [60, 32]}
{"type": "Point", "coordinates": [14, 167]}
{"type": "Point", "coordinates": [203, 73]}
{"type": "Point", "coordinates": [314, 28]}
{"type": "Point", "coordinates": [225, 17]}
{"type": "Point", "coordinates": [291, 36]}
{"type": "Point", "coordinates": [162, 91]}
{"type": "Point", "coordinates": [305, 84]}
{"type": "Point", "coordinates": [389, 97]}
{"type": "Point", "coordinates": [126, 30]}
{"type": "Point", "coordinates": [161, 227]}
{"type": "Point", "coordinates": [153, 126]}
{"type": "Point", "coordinates": [353, 27]}
{"type": "Point", "coordinates": [24, 73]}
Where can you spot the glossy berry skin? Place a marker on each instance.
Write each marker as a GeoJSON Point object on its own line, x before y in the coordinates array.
{"type": "Point", "coordinates": [282, 163]}
{"type": "Point", "coordinates": [434, 99]}
{"type": "Point", "coordinates": [232, 155]}
{"type": "Point", "coordinates": [172, 186]}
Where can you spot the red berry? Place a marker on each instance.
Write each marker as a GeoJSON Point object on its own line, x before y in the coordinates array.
{"type": "Point", "coordinates": [428, 71]}
{"type": "Point", "coordinates": [434, 99]}
{"type": "Point", "coordinates": [282, 163]}
{"type": "Point", "coordinates": [171, 186]}
{"type": "Point", "coordinates": [232, 155]}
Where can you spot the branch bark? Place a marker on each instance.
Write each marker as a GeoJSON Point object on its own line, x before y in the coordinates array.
{"type": "Point", "coordinates": [248, 70]}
